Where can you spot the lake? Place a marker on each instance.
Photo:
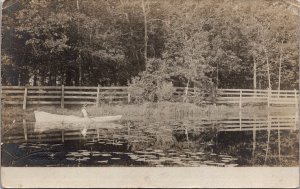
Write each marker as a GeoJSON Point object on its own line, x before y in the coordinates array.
{"type": "Point", "coordinates": [197, 142]}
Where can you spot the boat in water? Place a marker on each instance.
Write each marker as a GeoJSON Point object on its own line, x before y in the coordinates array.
{"type": "Point", "coordinates": [47, 121]}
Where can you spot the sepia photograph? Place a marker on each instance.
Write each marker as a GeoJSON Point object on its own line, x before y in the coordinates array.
{"type": "Point", "coordinates": [150, 84]}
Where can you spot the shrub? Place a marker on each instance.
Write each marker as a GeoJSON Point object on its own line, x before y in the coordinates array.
{"type": "Point", "coordinates": [150, 88]}
{"type": "Point", "coordinates": [165, 91]}
{"type": "Point", "coordinates": [142, 89]}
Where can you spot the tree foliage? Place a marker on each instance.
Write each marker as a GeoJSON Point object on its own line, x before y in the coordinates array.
{"type": "Point", "coordinates": [196, 43]}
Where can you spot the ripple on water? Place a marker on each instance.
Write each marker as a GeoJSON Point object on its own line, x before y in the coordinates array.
{"type": "Point", "coordinates": [115, 158]}
{"type": "Point", "coordinates": [225, 160]}
{"type": "Point", "coordinates": [85, 153]}
{"type": "Point", "coordinates": [103, 162]}
{"type": "Point", "coordinates": [106, 155]}
{"type": "Point", "coordinates": [78, 155]}
{"type": "Point", "coordinates": [232, 165]}
{"type": "Point", "coordinates": [118, 153]}
{"type": "Point", "coordinates": [133, 157]}
{"type": "Point", "coordinates": [81, 150]}
{"type": "Point", "coordinates": [207, 162]}
{"type": "Point", "coordinates": [89, 144]}
{"type": "Point", "coordinates": [71, 159]}
{"type": "Point", "coordinates": [82, 159]}
{"type": "Point", "coordinates": [140, 160]}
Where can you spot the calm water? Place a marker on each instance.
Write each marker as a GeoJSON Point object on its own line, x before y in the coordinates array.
{"type": "Point", "coordinates": [172, 143]}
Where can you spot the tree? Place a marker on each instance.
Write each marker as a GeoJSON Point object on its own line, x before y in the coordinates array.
{"type": "Point", "coordinates": [218, 43]}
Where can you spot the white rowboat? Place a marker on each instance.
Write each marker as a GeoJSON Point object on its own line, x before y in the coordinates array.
{"type": "Point", "coordinates": [47, 121]}
{"type": "Point", "coordinates": [49, 118]}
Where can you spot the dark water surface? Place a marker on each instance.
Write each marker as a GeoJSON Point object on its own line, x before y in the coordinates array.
{"type": "Point", "coordinates": [148, 144]}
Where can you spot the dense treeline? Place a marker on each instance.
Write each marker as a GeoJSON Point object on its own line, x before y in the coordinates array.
{"type": "Point", "coordinates": [221, 43]}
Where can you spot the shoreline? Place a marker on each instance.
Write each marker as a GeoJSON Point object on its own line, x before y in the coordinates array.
{"type": "Point", "coordinates": [150, 111]}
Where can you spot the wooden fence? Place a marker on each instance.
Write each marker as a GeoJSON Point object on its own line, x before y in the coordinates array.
{"type": "Point", "coordinates": [71, 95]}
{"type": "Point", "coordinates": [245, 96]}
{"type": "Point", "coordinates": [64, 95]}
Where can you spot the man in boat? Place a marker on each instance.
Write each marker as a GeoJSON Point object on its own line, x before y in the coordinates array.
{"type": "Point", "coordinates": [85, 115]}
{"type": "Point", "coordinates": [84, 112]}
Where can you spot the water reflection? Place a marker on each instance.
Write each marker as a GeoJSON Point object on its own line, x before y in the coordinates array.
{"type": "Point", "coordinates": [171, 143]}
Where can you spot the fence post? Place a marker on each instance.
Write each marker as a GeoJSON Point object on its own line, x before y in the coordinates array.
{"type": "Point", "coordinates": [25, 129]}
{"type": "Point", "coordinates": [297, 107]}
{"type": "Point", "coordinates": [98, 134]}
{"type": "Point", "coordinates": [98, 96]}
{"type": "Point", "coordinates": [269, 96]}
{"type": "Point", "coordinates": [269, 132]}
{"type": "Point", "coordinates": [254, 138]}
{"type": "Point", "coordinates": [240, 109]}
{"type": "Point", "coordinates": [62, 103]}
{"type": "Point", "coordinates": [62, 135]}
{"type": "Point", "coordinates": [128, 129]}
{"type": "Point", "coordinates": [194, 93]}
{"type": "Point", "coordinates": [25, 98]}
{"type": "Point", "coordinates": [296, 99]}
{"type": "Point", "coordinates": [214, 95]}
{"type": "Point", "coordinates": [279, 146]}
{"type": "Point", "coordinates": [240, 104]}
{"type": "Point", "coordinates": [129, 97]}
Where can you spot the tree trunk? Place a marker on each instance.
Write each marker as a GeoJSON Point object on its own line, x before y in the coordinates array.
{"type": "Point", "coordinates": [145, 33]}
{"type": "Point", "coordinates": [133, 51]}
{"type": "Point", "coordinates": [217, 75]}
{"type": "Point", "coordinates": [34, 79]}
{"type": "Point", "coordinates": [185, 99]}
{"type": "Point", "coordinates": [268, 68]}
{"type": "Point", "coordinates": [279, 74]}
{"type": "Point", "coordinates": [43, 79]}
{"type": "Point", "coordinates": [62, 73]}
{"type": "Point", "coordinates": [80, 74]}
{"type": "Point", "coordinates": [280, 61]}
{"type": "Point", "coordinates": [19, 79]}
{"type": "Point", "coordinates": [79, 69]}
{"type": "Point", "coordinates": [254, 73]}
{"type": "Point", "coordinates": [77, 4]}
{"type": "Point", "coordinates": [68, 77]}
{"type": "Point", "coordinates": [79, 57]}
{"type": "Point", "coordinates": [55, 78]}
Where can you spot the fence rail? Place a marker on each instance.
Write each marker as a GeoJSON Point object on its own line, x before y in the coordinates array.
{"type": "Point", "coordinates": [72, 95]}
{"type": "Point", "coordinates": [245, 96]}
